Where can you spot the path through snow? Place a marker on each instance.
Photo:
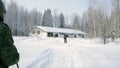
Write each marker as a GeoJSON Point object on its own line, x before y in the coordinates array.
{"type": "Point", "coordinates": [78, 53]}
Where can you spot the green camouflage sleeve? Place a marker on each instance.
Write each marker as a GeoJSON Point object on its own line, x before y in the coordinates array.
{"type": "Point", "coordinates": [7, 35]}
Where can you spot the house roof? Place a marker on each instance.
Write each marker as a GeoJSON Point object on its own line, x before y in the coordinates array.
{"type": "Point", "coordinates": [60, 30]}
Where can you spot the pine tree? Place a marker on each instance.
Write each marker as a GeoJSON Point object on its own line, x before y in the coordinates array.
{"type": "Point", "coordinates": [47, 18]}
{"type": "Point", "coordinates": [76, 22]}
{"type": "Point", "coordinates": [62, 21]}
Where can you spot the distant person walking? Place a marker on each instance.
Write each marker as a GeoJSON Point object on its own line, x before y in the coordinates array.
{"type": "Point", "coordinates": [8, 52]}
{"type": "Point", "coordinates": [65, 38]}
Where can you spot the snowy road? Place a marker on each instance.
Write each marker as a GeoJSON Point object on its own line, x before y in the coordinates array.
{"type": "Point", "coordinates": [78, 53]}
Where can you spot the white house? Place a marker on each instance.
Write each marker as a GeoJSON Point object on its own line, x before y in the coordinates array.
{"type": "Point", "coordinates": [55, 32]}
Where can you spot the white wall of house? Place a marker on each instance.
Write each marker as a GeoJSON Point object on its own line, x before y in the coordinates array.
{"type": "Point", "coordinates": [37, 32]}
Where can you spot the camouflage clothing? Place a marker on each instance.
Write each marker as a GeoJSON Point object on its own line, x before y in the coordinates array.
{"type": "Point", "coordinates": [8, 52]}
{"type": "Point", "coordinates": [6, 43]}
{"type": "Point", "coordinates": [2, 34]}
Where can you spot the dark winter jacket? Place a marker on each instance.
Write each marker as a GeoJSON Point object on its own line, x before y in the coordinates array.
{"type": "Point", "coordinates": [65, 36]}
{"type": "Point", "coordinates": [5, 39]}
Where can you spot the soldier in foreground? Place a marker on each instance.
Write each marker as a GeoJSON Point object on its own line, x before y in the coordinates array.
{"type": "Point", "coordinates": [8, 52]}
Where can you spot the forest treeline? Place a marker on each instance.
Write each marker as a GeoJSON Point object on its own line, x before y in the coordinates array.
{"type": "Point", "coordinates": [98, 20]}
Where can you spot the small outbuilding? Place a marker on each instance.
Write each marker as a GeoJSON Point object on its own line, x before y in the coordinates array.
{"type": "Point", "coordinates": [55, 32]}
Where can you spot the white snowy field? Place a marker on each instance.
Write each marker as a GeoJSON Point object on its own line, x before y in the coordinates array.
{"type": "Point", "coordinates": [77, 53]}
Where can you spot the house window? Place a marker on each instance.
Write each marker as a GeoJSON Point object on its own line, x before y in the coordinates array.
{"type": "Point", "coordinates": [33, 32]}
{"type": "Point", "coordinates": [49, 34]}
{"type": "Point", "coordinates": [74, 36]}
{"type": "Point", "coordinates": [38, 32]}
{"type": "Point", "coordinates": [56, 35]}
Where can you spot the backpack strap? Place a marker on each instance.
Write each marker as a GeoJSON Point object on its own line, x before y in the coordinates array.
{"type": "Point", "coordinates": [17, 65]}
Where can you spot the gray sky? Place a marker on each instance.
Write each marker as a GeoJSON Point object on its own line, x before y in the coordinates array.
{"type": "Point", "coordinates": [68, 7]}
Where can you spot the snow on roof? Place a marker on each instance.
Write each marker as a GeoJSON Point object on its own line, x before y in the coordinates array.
{"type": "Point", "coordinates": [60, 30]}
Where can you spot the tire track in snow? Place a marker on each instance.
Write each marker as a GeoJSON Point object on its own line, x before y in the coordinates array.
{"type": "Point", "coordinates": [72, 56]}
{"type": "Point", "coordinates": [61, 59]}
{"type": "Point", "coordinates": [68, 57]}
{"type": "Point", "coordinates": [64, 56]}
{"type": "Point", "coordinates": [43, 60]}
{"type": "Point", "coordinates": [76, 58]}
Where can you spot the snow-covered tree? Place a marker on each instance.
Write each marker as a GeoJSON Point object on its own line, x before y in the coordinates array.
{"type": "Point", "coordinates": [20, 20]}
{"type": "Point", "coordinates": [62, 21]}
{"type": "Point", "coordinates": [47, 18]}
{"type": "Point", "coordinates": [12, 17]}
{"type": "Point", "coordinates": [76, 22]}
{"type": "Point", "coordinates": [115, 17]}
{"type": "Point", "coordinates": [56, 21]}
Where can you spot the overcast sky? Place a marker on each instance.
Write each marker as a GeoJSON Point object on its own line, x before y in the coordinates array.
{"type": "Point", "coordinates": [66, 6]}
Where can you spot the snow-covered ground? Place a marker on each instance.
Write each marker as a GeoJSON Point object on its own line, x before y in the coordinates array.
{"type": "Point", "coordinates": [77, 53]}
